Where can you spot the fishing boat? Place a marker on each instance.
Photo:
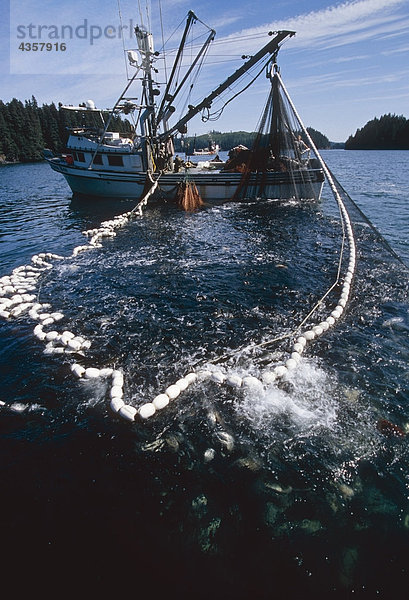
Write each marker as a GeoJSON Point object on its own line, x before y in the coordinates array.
{"type": "Point", "coordinates": [211, 149]}
{"type": "Point", "coordinates": [102, 163]}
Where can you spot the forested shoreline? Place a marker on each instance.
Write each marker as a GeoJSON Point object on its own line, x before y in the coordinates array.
{"type": "Point", "coordinates": [27, 128]}
{"type": "Point", "coordinates": [389, 132]}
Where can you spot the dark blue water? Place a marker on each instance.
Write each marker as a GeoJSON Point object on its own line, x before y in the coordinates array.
{"type": "Point", "coordinates": [305, 497]}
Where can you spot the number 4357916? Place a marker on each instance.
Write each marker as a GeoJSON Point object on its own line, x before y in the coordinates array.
{"type": "Point", "coordinates": [42, 46]}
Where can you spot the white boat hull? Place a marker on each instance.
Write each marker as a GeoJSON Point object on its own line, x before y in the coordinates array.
{"type": "Point", "coordinates": [216, 186]}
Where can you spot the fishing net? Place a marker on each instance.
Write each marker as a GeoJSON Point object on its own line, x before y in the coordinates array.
{"type": "Point", "coordinates": [280, 155]}
{"type": "Point", "coordinates": [188, 197]}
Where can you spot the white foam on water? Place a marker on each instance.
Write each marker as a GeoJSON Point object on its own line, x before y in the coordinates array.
{"type": "Point", "coordinates": [305, 401]}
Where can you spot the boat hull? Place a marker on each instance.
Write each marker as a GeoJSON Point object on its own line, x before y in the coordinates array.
{"type": "Point", "coordinates": [216, 186]}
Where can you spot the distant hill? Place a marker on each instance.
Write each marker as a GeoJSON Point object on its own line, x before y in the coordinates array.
{"type": "Point", "coordinates": [389, 132]}
{"type": "Point", "coordinates": [229, 140]}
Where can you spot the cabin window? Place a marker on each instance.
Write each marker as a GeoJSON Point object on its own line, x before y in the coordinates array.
{"type": "Point", "coordinates": [74, 155]}
{"type": "Point", "coordinates": [115, 161]}
{"type": "Point", "coordinates": [98, 159]}
{"type": "Point", "coordinates": [81, 157]}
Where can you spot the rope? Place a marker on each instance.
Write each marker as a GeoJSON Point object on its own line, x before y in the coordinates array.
{"type": "Point", "coordinates": [17, 297]}
{"type": "Point", "coordinates": [210, 371]}
{"type": "Point", "coordinates": [67, 343]}
{"type": "Point", "coordinates": [142, 203]}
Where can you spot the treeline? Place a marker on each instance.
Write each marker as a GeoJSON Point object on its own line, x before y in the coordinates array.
{"type": "Point", "coordinates": [235, 138]}
{"type": "Point", "coordinates": [320, 140]}
{"type": "Point", "coordinates": [26, 129]}
{"type": "Point", "coordinates": [389, 132]}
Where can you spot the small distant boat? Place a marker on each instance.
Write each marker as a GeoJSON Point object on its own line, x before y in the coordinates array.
{"type": "Point", "coordinates": [102, 163]}
{"type": "Point", "coordinates": [209, 151]}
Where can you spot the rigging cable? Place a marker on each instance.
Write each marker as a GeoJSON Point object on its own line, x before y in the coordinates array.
{"type": "Point", "coordinates": [148, 16]}
{"type": "Point", "coordinates": [217, 114]}
{"type": "Point", "coordinates": [195, 77]}
{"type": "Point", "coordinates": [140, 12]}
{"type": "Point", "coordinates": [163, 41]}
{"type": "Point", "coordinates": [122, 37]}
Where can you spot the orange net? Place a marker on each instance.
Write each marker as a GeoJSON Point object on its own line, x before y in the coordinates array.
{"type": "Point", "coordinates": [188, 197]}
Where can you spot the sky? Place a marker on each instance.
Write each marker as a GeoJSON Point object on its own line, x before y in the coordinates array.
{"type": "Point", "coordinates": [347, 63]}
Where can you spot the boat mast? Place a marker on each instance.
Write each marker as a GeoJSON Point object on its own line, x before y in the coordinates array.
{"type": "Point", "coordinates": [270, 48]}
{"type": "Point", "coordinates": [166, 96]}
{"type": "Point", "coordinates": [165, 109]}
{"type": "Point", "coordinates": [148, 122]}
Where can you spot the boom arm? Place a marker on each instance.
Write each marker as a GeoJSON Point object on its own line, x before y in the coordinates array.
{"type": "Point", "coordinates": [207, 101]}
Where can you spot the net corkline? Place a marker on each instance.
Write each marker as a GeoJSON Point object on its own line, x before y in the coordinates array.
{"type": "Point", "coordinates": [19, 292]}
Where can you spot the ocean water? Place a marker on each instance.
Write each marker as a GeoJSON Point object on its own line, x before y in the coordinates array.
{"type": "Point", "coordinates": [294, 488]}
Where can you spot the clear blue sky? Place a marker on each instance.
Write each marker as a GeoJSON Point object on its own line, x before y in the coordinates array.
{"type": "Point", "coordinates": [348, 63]}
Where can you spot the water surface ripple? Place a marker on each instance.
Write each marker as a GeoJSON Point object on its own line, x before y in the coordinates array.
{"type": "Point", "coordinates": [226, 493]}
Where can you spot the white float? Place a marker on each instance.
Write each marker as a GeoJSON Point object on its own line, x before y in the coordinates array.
{"type": "Point", "coordinates": [147, 410]}
{"type": "Point", "coordinates": [309, 335]}
{"type": "Point", "coordinates": [280, 371]}
{"type": "Point", "coordinates": [217, 376]}
{"type": "Point", "coordinates": [116, 391]}
{"type": "Point", "coordinates": [269, 377]}
{"type": "Point", "coordinates": [116, 404]}
{"type": "Point", "coordinates": [77, 369]}
{"type": "Point", "coordinates": [173, 391]}
{"type": "Point", "coordinates": [249, 381]}
{"type": "Point", "coordinates": [291, 363]}
{"type": "Point", "coordinates": [234, 380]}
{"type": "Point", "coordinates": [128, 412]}
{"type": "Point", "coordinates": [91, 373]}
{"type": "Point", "coordinates": [191, 377]}
{"type": "Point", "coordinates": [160, 401]}
{"type": "Point", "coordinates": [183, 384]}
